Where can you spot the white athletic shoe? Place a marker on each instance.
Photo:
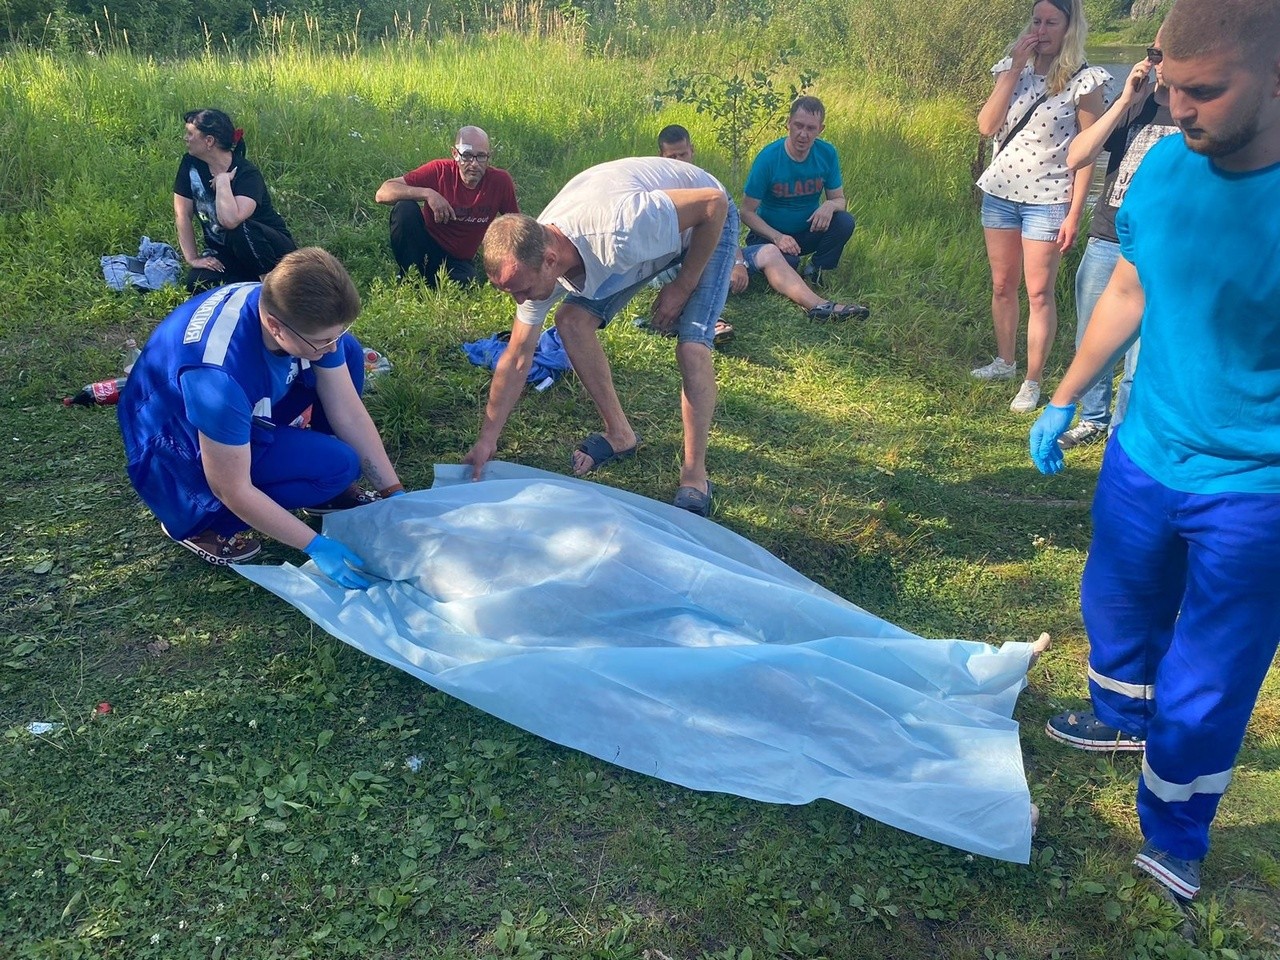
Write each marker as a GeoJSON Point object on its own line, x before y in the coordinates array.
{"type": "Point", "coordinates": [997, 369]}
{"type": "Point", "coordinates": [1028, 397]}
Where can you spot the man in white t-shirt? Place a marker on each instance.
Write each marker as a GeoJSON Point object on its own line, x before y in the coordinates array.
{"type": "Point", "coordinates": [600, 240]}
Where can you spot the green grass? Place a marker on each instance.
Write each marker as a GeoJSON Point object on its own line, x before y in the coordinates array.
{"type": "Point", "coordinates": [248, 794]}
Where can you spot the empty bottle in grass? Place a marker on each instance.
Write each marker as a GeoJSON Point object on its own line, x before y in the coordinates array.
{"type": "Point", "coordinates": [102, 393]}
{"type": "Point", "coordinates": [131, 354]}
{"type": "Point", "coordinates": [375, 364]}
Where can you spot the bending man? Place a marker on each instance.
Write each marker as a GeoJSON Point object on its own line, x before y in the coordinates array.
{"type": "Point", "coordinates": [599, 241]}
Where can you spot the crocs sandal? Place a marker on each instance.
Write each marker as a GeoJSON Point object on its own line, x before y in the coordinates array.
{"type": "Point", "coordinates": [350, 498]}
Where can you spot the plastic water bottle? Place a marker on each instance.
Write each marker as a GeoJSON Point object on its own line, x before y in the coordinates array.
{"type": "Point", "coordinates": [131, 355]}
{"type": "Point", "coordinates": [103, 393]}
{"type": "Point", "coordinates": [375, 364]}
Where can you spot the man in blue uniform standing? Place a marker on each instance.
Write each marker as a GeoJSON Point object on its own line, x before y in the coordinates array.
{"type": "Point", "coordinates": [783, 200]}
{"type": "Point", "coordinates": [207, 416]}
{"type": "Point", "coordinates": [1179, 591]}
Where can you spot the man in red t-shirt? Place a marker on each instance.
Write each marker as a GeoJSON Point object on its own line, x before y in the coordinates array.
{"type": "Point", "coordinates": [460, 197]}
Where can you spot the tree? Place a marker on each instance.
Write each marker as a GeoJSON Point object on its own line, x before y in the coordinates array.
{"type": "Point", "coordinates": [743, 103]}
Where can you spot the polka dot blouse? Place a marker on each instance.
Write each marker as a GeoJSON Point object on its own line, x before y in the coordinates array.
{"type": "Point", "coordinates": [1032, 168]}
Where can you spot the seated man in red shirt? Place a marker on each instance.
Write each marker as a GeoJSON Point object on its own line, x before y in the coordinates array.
{"type": "Point", "coordinates": [441, 210]}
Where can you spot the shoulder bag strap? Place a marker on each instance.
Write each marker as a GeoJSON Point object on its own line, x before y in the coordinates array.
{"type": "Point", "coordinates": [1017, 127]}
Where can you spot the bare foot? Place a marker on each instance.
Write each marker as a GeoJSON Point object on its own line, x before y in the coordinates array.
{"type": "Point", "coordinates": [1035, 817]}
{"type": "Point", "coordinates": [1039, 647]}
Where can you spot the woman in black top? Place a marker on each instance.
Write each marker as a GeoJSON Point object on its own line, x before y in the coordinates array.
{"type": "Point", "coordinates": [244, 237]}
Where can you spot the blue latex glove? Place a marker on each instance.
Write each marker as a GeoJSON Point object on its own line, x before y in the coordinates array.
{"type": "Point", "coordinates": [1052, 423]}
{"type": "Point", "coordinates": [335, 562]}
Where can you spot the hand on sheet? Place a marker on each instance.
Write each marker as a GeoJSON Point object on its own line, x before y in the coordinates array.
{"type": "Point", "coordinates": [1052, 423]}
{"type": "Point", "coordinates": [335, 562]}
{"type": "Point", "coordinates": [479, 455]}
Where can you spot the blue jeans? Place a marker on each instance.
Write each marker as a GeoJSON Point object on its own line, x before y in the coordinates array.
{"type": "Point", "coordinates": [1178, 598]}
{"type": "Point", "coordinates": [1095, 270]}
{"type": "Point", "coordinates": [697, 322]}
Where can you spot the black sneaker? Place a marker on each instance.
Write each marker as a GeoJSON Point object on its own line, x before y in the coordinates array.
{"type": "Point", "coordinates": [1084, 731]}
{"type": "Point", "coordinates": [1180, 876]}
{"type": "Point", "coordinates": [1082, 434]}
{"type": "Point", "coordinates": [219, 550]}
{"type": "Point", "coordinates": [348, 499]}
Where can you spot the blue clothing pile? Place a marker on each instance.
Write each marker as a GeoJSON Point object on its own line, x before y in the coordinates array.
{"type": "Point", "coordinates": [550, 362]}
{"type": "Point", "coordinates": [156, 265]}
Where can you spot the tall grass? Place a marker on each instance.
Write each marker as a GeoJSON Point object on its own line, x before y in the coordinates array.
{"type": "Point", "coordinates": [246, 798]}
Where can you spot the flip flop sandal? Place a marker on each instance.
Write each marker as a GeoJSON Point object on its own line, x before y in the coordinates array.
{"type": "Point", "coordinates": [831, 310]}
{"type": "Point", "coordinates": [723, 334]}
{"type": "Point", "coordinates": [601, 452]}
{"type": "Point", "coordinates": [694, 500]}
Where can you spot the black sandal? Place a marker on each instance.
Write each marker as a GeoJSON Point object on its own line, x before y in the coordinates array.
{"type": "Point", "coordinates": [838, 311]}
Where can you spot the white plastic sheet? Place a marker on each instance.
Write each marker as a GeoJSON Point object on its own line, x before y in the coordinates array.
{"type": "Point", "coordinates": [662, 642]}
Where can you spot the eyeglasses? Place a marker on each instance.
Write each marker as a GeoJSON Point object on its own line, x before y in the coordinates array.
{"type": "Point", "coordinates": [317, 347]}
{"type": "Point", "coordinates": [470, 156]}
{"type": "Point", "coordinates": [1155, 54]}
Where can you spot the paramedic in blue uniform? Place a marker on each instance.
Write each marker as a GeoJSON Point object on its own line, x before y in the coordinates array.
{"type": "Point", "coordinates": [1179, 590]}
{"type": "Point", "coordinates": [207, 416]}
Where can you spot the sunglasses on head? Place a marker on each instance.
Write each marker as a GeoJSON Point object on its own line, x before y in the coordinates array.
{"type": "Point", "coordinates": [1064, 6]}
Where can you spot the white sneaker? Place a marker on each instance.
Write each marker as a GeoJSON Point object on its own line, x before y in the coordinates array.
{"type": "Point", "coordinates": [997, 369]}
{"type": "Point", "coordinates": [1028, 397]}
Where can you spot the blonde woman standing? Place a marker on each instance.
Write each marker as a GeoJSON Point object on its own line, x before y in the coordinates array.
{"type": "Point", "coordinates": [1045, 93]}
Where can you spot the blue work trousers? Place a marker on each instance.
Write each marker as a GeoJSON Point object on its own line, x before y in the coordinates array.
{"type": "Point", "coordinates": [1180, 602]}
{"type": "Point", "coordinates": [298, 467]}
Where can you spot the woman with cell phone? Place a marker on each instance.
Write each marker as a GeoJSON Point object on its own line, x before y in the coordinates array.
{"type": "Point", "coordinates": [1045, 93]}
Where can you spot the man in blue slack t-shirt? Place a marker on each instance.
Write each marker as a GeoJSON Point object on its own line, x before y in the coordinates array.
{"type": "Point", "coordinates": [783, 202]}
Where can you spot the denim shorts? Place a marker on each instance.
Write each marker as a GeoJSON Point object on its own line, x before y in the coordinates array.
{"type": "Point", "coordinates": [749, 254]}
{"type": "Point", "coordinates": [697, 322]}
{"type": "Point", "coordinates": [1037, 221]}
